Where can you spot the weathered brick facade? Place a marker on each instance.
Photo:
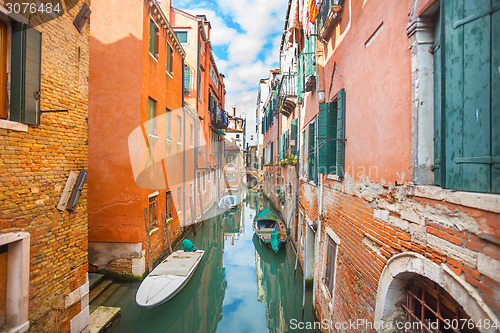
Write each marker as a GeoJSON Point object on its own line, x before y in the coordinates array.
{"type": "Point", "coordinates": [34, 167]}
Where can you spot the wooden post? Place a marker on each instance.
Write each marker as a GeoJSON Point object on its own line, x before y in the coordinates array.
{"type": "Point", "coordinates": [150, 263]}
{"type": "Point", "coordinates": [167, 236]}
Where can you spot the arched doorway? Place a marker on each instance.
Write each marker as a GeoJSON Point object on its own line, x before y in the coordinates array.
{"type": "Point", "coordinates": [413, 289]}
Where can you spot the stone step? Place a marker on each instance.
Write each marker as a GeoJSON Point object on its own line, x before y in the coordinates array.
{"type": "Point", "coordinates": [99, 289]}
{"type": "Point", "coordinates": [105, 294]}
{"type": "Point", "coordinates": [95, 279]}
{"type": "Point", "coordinates": [102, 318]}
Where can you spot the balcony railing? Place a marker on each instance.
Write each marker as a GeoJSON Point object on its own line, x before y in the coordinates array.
{"type": "Point", "coordinates": [218, 117]}
{"type": "Point", "coordinates": [329, 12]}
{"type": "Point", "coordinates": [287, 92]}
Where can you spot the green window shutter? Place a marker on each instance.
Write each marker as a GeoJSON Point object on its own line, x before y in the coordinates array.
{"type": "Point", "coordinates": [33, 66]}
{"type": "Point", "coordinates": [471, 139]}
{"type": "Point", "coordinates": [187, 74]}
{"type": "Point", "coordinates": [287, 143]}
{"type": "Point", "coordinates": [263, 125]}
{"type": "Point", "coordinates": [281, 146]}
{"type": "Point", "coordinates": [17, 72]}
{"type": "Point", "coordinates": [340, 133]}
{"type": "Point", "coordinates": [152, 38]}
{"type": "Point", "coordinates": [495, 101]}
{"type": "Point", "coordinates": [303, 153]}
{"type": "Point", "coordinates": [327, 132]}
{"type": "Point", "coordinates": [293, 137]}
{"type": "Point", "coordinates": [311, 153]}
{"type": "Point", "coordinates": [437, 48]}
{"type": "Point", "coordinates": [26, 60]}
{"type": "Point", "coordinates": [169, 59]}
{"type": "Point", "coordinates": [151, 116]}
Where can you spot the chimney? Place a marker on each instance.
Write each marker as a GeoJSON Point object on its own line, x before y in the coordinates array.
{"type": "Point", "coordinates": [165, 7]}
{"type": "Point", "coordinates": [234, 112]}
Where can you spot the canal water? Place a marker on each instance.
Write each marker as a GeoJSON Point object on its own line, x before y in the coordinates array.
{"type": "Point", "coordinates": [240, 286]}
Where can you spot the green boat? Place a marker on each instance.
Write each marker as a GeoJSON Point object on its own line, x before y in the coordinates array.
{"type": "Point", "coordinates": [270, 229]}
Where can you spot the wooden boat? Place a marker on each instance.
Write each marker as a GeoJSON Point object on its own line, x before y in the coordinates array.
{"type": "Point", "coordinates": [270, 229]}
{"type": "Point", "coordinates": [228, 201]}
{"type": "Point", "coordinates": [168, 278]}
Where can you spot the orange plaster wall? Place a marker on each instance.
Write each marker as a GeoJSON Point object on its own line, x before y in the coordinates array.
{"type": "Point", "coordinates": [123, 76]}
{"type": "Point", "coordinates": [114, 102]}
{"type": "Point", "coordinates": [377, 117]}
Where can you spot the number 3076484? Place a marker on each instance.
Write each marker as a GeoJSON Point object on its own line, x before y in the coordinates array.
{"type": "Point", "coordinates": [33, 8]}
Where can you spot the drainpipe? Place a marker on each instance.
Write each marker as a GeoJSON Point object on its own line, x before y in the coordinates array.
{"type": "Point", "coordinates": [197, 124]}
{"type": "Point", "coordinates": [317, 240]}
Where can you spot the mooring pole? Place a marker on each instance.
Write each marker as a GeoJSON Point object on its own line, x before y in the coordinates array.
{"type": "Point", "coordinates": [150, 263]}
{"type": "Point", "coordinates": [167, 235]}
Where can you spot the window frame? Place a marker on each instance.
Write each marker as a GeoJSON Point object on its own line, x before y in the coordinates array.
{"type": "Point", "coordinates": [153, 210]}
{"type": "Point", "coordinates": [330, 236]}
{"type": "Point", "coordinates": [152, 128]}
{"type": "Point", "coordinates": [168, 204]}
{"type": "Point", "coordinates": [179, 129]}
{"type": "Point", "coordinates": [155, 41]}
{"type": "Point", "coordinates": [169, 62]}
{"type": "Point", "coordinates": [177, 32]}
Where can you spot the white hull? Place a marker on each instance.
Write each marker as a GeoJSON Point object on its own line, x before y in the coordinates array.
{"type": "Point", "coordinates": [168, 278]}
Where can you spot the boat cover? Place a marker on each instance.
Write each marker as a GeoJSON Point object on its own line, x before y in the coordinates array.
{"type": "Point", "coordinates": [179, 264]}
{"type": "Point", "coordinates": [265, 215]}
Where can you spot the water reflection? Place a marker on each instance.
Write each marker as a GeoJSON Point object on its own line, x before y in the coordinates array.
{"type": "Point", "coordinates": [239, 286]}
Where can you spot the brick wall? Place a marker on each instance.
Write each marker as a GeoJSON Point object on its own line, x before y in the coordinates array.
{"type": "Point", "coordinates": [34, 166]}
{"type": "Point", "coordinates": [374, 223]}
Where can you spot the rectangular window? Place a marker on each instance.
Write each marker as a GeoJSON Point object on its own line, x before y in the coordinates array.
{"type": "Point", "coordinates": [151, 116]}
{"type": "Point", "coordinates": [25, 62]}
{"type": "Point", "coordinates": [331, 261]}
{"type": "Point", "coordinates": [204, 182]}
{"type": "Point", "coordinates": [179, 199]}
{"type": "Point", "coordinates": [187, 78]}
{"type": "Point", "coordinates": [154, 36]}
{"type": "Point", "coordinates": [182, 36]}
{"type": "Point", "coordinates": [168, 205]}
{"type": "Point", "coordinates": [167, 124]}
{"type": "Point", "coordinates": [230, 176]}
{"type": "Point", "coordinates": [152, 211]}
{"type": "Point", "coordinates": [179, 129]}
{"type": "Point", "coordinates": [170, 56]}
{"type": "Point", "coordinates": [311, 151]}
{"type": "Point", "coordinates": [191, 134]}
{"type": "Point", "coordinates": [198, 180]}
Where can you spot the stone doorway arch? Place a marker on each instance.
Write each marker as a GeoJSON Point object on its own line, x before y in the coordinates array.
{"type": "Point", "coordinates": [400, 268]}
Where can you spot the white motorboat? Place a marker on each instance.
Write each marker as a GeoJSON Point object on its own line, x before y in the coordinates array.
{"type": "Point", "coordinates": [168, 278]}
{"type": "Point", "coordinates": [228, 201]}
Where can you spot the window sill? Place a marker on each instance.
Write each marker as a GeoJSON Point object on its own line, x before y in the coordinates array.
{"type": "Point", "coordinates": [154, 57]}
{"type": "Point", "coordinates": [170, 75]}
{"type": "Point", "coordinates": [484, 201]}
{"type": "Point", "coordinates": [153, 136]}
{"type": "Point", "coordinates": [168, 140]}
{"type": "Point", "coordinates": [154, 194]}
{"type": "Point", "coordinates": [333, 177]}
{"type": "Point", "coordinates": [13, 125]}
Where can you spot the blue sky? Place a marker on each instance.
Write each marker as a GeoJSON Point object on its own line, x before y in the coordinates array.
{"type": "Point", "coordinates": [245, 37]}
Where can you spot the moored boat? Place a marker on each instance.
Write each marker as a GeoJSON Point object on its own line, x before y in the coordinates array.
{"type": "Point", "coordinates": [168, 278]}
{"type": "Point", "coordinates": [228, 201]}
{"type": "Point", "coordinates": [270, 229]}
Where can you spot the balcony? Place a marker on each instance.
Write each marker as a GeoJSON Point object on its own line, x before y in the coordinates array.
{"type": "Point", "coordinates": [218, 117]}
{"type": "Point", "coordinates": [328, 17]}
{"type": "Point", "coordinates": [287, 94]}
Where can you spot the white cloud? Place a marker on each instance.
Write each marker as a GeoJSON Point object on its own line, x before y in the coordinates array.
{"type": "Point", "coordinates": [248, 57]}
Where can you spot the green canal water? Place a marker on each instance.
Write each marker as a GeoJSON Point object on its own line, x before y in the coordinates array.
{"type": "Point", "coordinates": [240, 286]}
